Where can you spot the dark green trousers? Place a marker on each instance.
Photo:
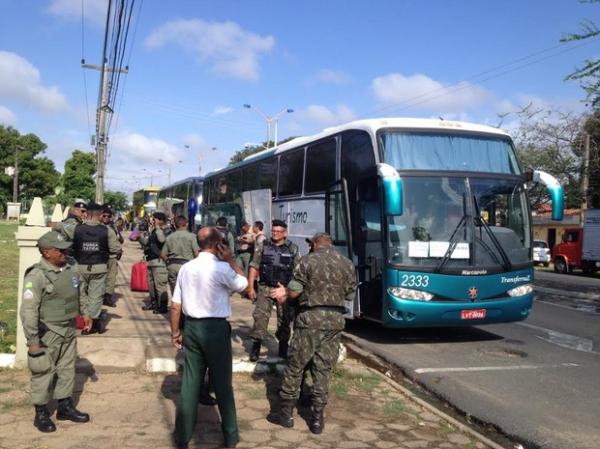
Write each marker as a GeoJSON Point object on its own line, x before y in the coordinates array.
{"type": "Point", "coordinates": [207, 345]}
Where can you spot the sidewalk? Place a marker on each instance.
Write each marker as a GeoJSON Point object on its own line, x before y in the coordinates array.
{"type": "Point", "coordinates": [131, 408]}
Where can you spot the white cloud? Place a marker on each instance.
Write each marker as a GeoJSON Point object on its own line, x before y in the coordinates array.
{"type": "Point", "coordinates": [94, 10]}
{"type": "Point", "coordinates": [7, 117]}
{"type": "Point", "coordinates": [224, 46]}
{"type": "Point", "coordinates": [20, 81]}
{"type": "Point", "coordinates": [136, 148]}
{"type": "Point", "coordinates": [424, 93]}
{"type": "Point", "coordinates": [333, 76]}
{"type": "Point", "coordinates": [324, 116]}
{"type": "Point", "coordinates": [222, 110]}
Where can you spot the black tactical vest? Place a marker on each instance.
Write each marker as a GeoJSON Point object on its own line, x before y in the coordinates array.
{"type": "Point", "coordinates": [154, 247]}
{"type": "Point", "coordinates": [276, 264]}
{"type": "Point", "coordinates": [90, 244]}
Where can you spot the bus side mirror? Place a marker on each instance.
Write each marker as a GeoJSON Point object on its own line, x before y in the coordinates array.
{"type": "Point", "coordinates": [392, 189]}
{"type": "Point", "coordinates": [555, 190]}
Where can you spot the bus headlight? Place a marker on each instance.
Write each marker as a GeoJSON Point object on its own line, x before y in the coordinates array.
{"type": "Point", "coordinates": [407, 293]}
{"type": "Point", "coordinates": [521, 290]}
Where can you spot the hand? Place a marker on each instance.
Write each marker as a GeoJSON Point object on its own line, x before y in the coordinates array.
{"type": "Point", "coordinates": [178, 341]}
{"type": "Point", "coordinates": [87, 323]}
{"type": "Point", "coordinates": [251, 294]}
{"type": "Point", "coordinates": [279, 293]}
{"type": "Point", "coordinates": [34, 349]}
{"type": "Point", "coordinates": [224, 253]}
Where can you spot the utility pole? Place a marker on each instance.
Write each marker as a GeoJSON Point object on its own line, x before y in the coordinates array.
{"type": "Point", "coordinates": [585, 175]}
{"type": "Point", "coordinates": [16, 175]}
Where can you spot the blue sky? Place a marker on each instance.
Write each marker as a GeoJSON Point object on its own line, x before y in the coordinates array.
{"type": "Point", "coordinates": [195, 63]}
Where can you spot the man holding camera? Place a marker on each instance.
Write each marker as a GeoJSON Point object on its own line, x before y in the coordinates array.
{"type": "Point", "coordinates": [157, 269]}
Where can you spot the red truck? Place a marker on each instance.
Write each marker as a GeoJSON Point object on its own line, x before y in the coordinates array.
{"type": "Point", "coordinates": [580, 247]}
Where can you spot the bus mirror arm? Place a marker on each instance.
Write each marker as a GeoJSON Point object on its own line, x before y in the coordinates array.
{"type": "Point", "coordinates": [555, 190]}
{"type": "Point", "coordinates": [392, 189]}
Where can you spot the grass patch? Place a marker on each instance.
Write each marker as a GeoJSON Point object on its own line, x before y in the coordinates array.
{"type": "Point", "coordinates": [343, 381]}
{"type": "Point", "coordinates": [9, 405]}
{"type": "Point", "coordinates": [9, 272]}
{"type": "Point", "coordinates": [393, 408]}
{"type": "Point", "coordinates": [470, 445]}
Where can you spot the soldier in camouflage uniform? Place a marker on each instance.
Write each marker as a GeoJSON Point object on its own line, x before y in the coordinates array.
{"type": "Point", "coordinates": [50, 304]}
{"type": "Point", "coordinates": [322, 280]}
{"type": "Point", "coordinates": [180, 247]}
{"type": "Point", "coordinates": [113, 264]}
{"type": "Point", "coordinates": [274, 262]}
{"type": "Point", "coordinates": [158, 276]}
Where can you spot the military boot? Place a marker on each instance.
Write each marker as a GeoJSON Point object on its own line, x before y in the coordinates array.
{"type": "Point", "coordinates": [285, 416]}
{"type": "Point", "coordinates": [42, 420]}
{"type": "Point", "coordinates": [283, 349]}
{"type": "Point", "coordinates": [255, 351]}
{"type": "Point", "coordinates": [108, 300]}
{"type": "Point", "coordinates": [316, 422]}
{"type": "Point", "coordinates": [151, 305]}
{"type": "Point", "coordinates": [67, 412]}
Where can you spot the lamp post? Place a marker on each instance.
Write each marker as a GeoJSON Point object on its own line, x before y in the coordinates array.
{"type": "Point", "coordinates": [151, 174]}
{"type": "Point", "coordinates": [189, 147]}
{"type": "Point", "coordinates": [16, 174]}
{"type": "Point", "coordinates": [169, 166]}
{"type": "Point", "coordinates": [269, 120]}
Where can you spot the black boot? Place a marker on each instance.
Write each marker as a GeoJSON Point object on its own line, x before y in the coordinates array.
{"type": "Point", "coordinates": [108, 301]}
{"type": "Point", "coordinates": [285, 416]}
{"type": "Point", "coordinates": [67, 412]}
{"type": "Point", "coordinates": [255, 351]}
{"type": "Point", "coordinates": [99, 324]}
{"type": "Point", "coordinates": [316, 423]}
{"type": "Point", "coordinates": [283, 349]}
{"type": "Point", "coordinates": [151, 305]}
{"type": "Point", "coordinates": [42, 420]}
{"type": "Point", "coordinates": [205, 398]}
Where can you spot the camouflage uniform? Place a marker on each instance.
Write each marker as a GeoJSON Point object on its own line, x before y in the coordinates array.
{"type": "Point", "coordinates": [113, 264]}
{"type": "Point", "coordinates": [325, 279]}
{"type": "Point", "coordinates": [264, 304]}
{"type": "Point", "coordinates": [158, 276]}
{"type": "Point", "coordinates": [179, 248]}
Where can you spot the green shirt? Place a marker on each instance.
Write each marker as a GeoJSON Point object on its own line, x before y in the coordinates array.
{"type": "Point", "coordinates": [182, 244]}
{"type": "Point", "coordinates": [67, 227]}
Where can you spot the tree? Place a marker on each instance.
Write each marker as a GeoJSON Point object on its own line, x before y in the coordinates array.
{"type": "Point", "coordinates": [78, 178]}
{"type": "Point", "coordinates": [592, 128]}
{"type": "Point", "coordinates": [240, 155]}
{"type": "Point", "coordinates": [118, 200]}
{"type": "Point", "coordinates": [37, 174]}
{"type": "Point", "coordinates": [551, 141]}
{"type": "Point", "coordinates": [589, 73]}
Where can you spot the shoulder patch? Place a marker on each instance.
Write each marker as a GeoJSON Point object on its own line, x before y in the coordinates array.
{"type": "Point", "coordinates": [29, 284]}
{"type": "Point", "coordinates": [28, 294]}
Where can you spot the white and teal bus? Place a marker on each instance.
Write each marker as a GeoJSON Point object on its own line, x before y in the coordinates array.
{"type": "Point", "coordinates": [433, 213]}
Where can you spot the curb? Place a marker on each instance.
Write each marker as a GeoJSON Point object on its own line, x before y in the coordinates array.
{"type": "Point", "coordinates": [566, 293]}
{"type": "Point", "coordinates": [377, 360]}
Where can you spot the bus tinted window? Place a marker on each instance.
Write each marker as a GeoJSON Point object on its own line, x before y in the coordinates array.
{"type": "Point", "coordinates": [320, 166]}
{"type": "Point", "coordinates": [268, 174]}
{"type": "Point", "coordinates": [251, 178]}
{"type": "Point", "coordinates": [291, 168]}
{"type": "Point", "coordinates": [357, 157]}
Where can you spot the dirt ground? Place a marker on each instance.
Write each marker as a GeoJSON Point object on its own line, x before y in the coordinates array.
{"type": "Point", "coordinates": [136, 410]}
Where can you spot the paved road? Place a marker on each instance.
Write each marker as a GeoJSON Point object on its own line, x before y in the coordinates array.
{"type": "Point", "coordinates": [537, 380]}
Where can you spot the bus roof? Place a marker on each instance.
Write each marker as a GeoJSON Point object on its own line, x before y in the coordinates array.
{"type": "Point", "coordinates": [184, 181]}
{"type": "Point", "coordinates": [372, 126]}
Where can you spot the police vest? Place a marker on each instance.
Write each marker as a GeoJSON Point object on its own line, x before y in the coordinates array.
{"type": "Point", "coordinates": [276, 264]}
{"type": "Point", "coordinates": [154, 247]}
{"type": "Point", "coordinates": [91, 244]}
{"type": "Point", "coordinates": [60, 297]}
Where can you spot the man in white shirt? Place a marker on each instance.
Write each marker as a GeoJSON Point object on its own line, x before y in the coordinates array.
{"type": "Point", "coordinates": [203, 290]}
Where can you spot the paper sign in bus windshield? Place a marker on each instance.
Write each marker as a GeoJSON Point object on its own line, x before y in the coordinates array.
{"type": "Point", "coordinates": [437, 249]}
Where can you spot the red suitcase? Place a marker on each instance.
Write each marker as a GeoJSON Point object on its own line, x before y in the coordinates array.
{"type": "Point", "coordinates": [139, 277]}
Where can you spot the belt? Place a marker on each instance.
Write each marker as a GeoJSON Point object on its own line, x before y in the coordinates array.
{"type": "Point", "coordinates": [190, 318]}
{"type": "Point", "coordinates": [339, 309]}
{"type": "Point", "coordinates": [176, 260]}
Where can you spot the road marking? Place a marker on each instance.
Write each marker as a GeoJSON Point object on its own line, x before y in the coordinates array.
{"type": "Point", "coordinates": [584, 308]}
{"type": "Point", "coordinates": [564, 340]}
{"type": "Point", "coordinates": [491, 368]}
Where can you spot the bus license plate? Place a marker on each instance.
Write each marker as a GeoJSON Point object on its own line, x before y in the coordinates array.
{"type": "Point", "coordinates": [476, 314]}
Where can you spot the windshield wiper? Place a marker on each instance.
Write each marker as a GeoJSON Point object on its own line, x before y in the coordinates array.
{"type": "Point", "coordinates": [506, 261]}
{"type": "Point", "coordinates": [451, 244]}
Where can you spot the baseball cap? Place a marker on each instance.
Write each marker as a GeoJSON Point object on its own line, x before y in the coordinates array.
{"type": "Point", "coordinates": [80, 204]}
{"type": "Point", "coordinates": [53, 239]}
{"type": "Point", "coordinates": [160, 216]}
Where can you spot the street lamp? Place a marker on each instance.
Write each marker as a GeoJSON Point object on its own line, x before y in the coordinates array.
{"type": "Point", "coordinates": [169, 167]}
{"type": "Point", "coordinates": [151, 174]}
{"type": "Point", "coordinates": [188, 147]}
{"type": "Point", "coordinates": [269, 120]}
{"type": "Point", "coordinates": [16, 174]}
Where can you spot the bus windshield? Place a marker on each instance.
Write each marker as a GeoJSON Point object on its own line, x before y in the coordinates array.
{"type": "Point", "coordinates": [448, 152]}
{"type": "Point", "coordinates": [452, 224]}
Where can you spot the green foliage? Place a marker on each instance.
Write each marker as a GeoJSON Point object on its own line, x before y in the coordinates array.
{"type": "Point", "coordinates": [240, 155]}
{"type": "Point", "coordinates": [589, 73]}
{"type": "Point", "coordinates": [118, 200]}
{"type": "Point", "coordinates": [592, 127]}
{"type": "Point", "coordinates": [78, 178]}
{"type": "Point", "coordinates": [37, 174]}
{"type": "Point", "coordinates": [9, 272]}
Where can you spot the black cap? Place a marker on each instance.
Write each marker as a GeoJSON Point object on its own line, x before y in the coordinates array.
{"type": "Point", "coordinates": [107, 209]}
{"type": "Point", "coordinates": [94, 206]}
{"type": "Point", "coordinates": [279, 223]}
{"type": "Point", "coordinates": [159, 216]}
{"type": "Point", "coordinates": [80, 204]}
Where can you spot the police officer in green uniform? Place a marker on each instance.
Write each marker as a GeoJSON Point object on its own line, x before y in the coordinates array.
{"type": "Point", "coordinates": [50, 304]}
{"type": "Point", "coordinates": [322, 280]}
{"type": "Point", "coordinates": [76, 216]}
{"type": "Point", "coordinates": [226, 233]}
{"type": "Point", "coordinates": [113, 264]}
{"type": "Point", "coordinates": [272, 263]}
{"type": "Point", "coordinates": [180, 247]}
{"type": "Point", "coordinates": [92, 246]}
{"type": "Point", "coordinates": [157, 269]}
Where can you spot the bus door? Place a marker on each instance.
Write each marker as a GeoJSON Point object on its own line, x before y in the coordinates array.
{"type": "Point", "coordinates": [338, 226]}
{"type": "Point", "coordinates": [257, 207]}
{"type": "Point", "coordinates": [368, 246]}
